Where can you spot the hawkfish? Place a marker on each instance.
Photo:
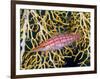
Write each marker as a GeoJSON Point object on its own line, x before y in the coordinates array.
{"type": "Point", "coordinates": [57, 42]}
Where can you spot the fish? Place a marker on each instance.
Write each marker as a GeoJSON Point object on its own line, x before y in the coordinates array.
{"type": "Point", "coordinates": [57, 42]}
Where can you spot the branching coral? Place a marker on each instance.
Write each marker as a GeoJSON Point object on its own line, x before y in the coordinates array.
{"type": "Point", "coordinates": [40, 25]}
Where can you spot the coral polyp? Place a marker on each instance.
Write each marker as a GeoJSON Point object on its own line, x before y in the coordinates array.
{"type": "Point", "coordinates": [40, 27]}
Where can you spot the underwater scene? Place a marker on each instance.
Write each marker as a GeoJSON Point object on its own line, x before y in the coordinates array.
{"type": "Point", "coordinates": [54, 39]}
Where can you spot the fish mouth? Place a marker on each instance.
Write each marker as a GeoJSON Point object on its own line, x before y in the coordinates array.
{"type": "Point", "coordinates": [35, 49]}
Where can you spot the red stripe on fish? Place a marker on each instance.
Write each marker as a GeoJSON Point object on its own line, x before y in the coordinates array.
{"type": "Point", "coordinates": [57, 42]}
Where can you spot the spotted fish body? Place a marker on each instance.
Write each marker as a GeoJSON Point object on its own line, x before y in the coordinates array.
{"type": "Point", "coordinates": [57, 42]}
